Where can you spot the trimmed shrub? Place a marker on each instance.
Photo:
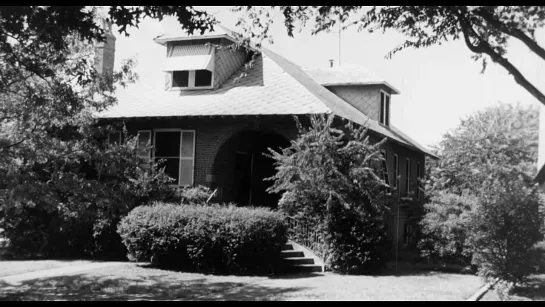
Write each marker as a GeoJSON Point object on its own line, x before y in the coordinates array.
{"type": "Point", "coordinates": [208, 239]}
{"type": "Point", "coordinates": [194, 195]}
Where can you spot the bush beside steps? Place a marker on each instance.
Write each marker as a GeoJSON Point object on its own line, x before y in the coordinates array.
{"type": "Point", "coordinates": [207, 239]}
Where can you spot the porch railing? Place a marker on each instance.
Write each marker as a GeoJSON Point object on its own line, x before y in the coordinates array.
{"type": "Point", "coordinates": [307, 235]}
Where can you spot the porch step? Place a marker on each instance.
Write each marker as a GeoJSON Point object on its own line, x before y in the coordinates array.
{"type": "Point", "coordinates": [287, 247]}
{"type": "Point", "coordinates": [305, 268]}
{"type": "Point", "coordinates": [296, 262]}
{"type": "Point", "coordinates": [292, 254]}
{"type": "Point", "coordinates": [299, 260]}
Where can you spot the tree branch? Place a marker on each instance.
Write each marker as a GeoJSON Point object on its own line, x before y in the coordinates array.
{"type": "Point", "coordinates": [484, 47]}
{"type": "Point", "coordinates": [517, 33]}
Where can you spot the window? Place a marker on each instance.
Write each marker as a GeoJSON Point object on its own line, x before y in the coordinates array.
{"type": "Point", "coordinates": [201, 78]}
{"type": "Point", "coordinates": [396, 171]}
{"type": "Point", "coordinates": [418, 175]}
{"type": "Point", "coordinates": [384, 170]}
{"type": "Point", "coordinates": [180, 78]}
{"type": "Point", "coordinates": [144, 139]}
{"type": "Point", "coordinates": [114, 138]}
{"type": "Point", "coordinates": [384, 108]}
{"type": "Point", "coordinates": [408, 175]}
{"type": "Point", "coordinates": [176, 149]}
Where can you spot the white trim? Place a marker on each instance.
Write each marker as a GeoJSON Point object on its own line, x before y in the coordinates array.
{"type": "Point", "coordinates": [190, 62]}
{"type": "Point", "coordinates": [191, 82]}
{"type": "Point", "coordinates": [164, 40]}
{"type": "Point", "coordinates": [211, 66]}
{"type": "Point", "coordinates": [386, 106]}
{"type": "Point", "coordinates": [394, 90]}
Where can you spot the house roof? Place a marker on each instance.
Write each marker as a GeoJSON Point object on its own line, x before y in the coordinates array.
{"type": "Point", "coordinates": [347, 75]}
{"type": "Point", "coordinates": [271, 86]}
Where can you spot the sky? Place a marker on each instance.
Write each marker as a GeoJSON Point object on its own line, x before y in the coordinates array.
{"type": "Point", "coordinates": [439, 85]}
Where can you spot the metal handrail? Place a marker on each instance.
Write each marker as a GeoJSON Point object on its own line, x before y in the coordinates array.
{"type": "Point", "coordinates": [306, 235]}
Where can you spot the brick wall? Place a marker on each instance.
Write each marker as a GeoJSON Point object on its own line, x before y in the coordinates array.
{"type": "Point", "coordinates": [212, 132]}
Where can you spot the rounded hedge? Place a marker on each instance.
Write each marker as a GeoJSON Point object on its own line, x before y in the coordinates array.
{"type": "Point", "coordinates": [208, 239]}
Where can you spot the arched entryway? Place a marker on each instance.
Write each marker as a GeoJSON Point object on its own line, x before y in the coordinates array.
{"type": "Point", "coordinates": [240, 168]}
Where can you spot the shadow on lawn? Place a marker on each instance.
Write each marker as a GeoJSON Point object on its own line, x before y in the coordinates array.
{"type": "Point", "coordinates": [84, 287]}
{"type": "Point", "coordinates": [533, 290]}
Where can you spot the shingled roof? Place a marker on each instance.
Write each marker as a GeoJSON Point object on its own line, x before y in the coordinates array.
{"type": "Point", "coordinates": [271, 86]}
{"type": "Point", "coordinates": [353, 75]}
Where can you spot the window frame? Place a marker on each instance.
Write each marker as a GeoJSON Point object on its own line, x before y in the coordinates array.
{"type": "Point", "coordinates": [191, 81]}
{"type": "Point", "coordinates": [180, 158]}
{"type": "Point", "coordinates": [384, 108]}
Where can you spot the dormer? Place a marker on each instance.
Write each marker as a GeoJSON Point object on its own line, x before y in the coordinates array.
{"type": "Point", "coordinates": [200, 62]}
{"type": "Point", "coordinates": [190, 67]}
{"type": "Point", "coordinates": [360, 88]}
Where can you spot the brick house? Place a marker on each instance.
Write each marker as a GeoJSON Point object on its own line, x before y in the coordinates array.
{"type": "Point", "coordinates": [211, 125]}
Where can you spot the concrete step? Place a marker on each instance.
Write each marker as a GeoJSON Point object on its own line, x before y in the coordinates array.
{"type": "Point", "coordinates": [292, 254]}
{"type": "Point", "coordinates": [298, 260]}
{"type": "Point", "coordinates": [305, 268]}
{"type": "Point", "coordinates": [287, 247]}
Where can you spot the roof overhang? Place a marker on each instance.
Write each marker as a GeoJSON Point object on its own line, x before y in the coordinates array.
{"type": "Point", "coordinates": [190, 62]}
{"type": "Point", "coordinates": [164, 40]}
{"type": "Point", "coordinates": [388, 85]}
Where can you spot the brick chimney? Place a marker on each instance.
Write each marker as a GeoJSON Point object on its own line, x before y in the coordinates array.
{"type": "Point", "coordinates": [105, 52]}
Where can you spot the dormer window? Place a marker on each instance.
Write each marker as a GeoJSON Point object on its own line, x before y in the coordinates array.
{"type": "Point", "coordinates": [188, 79]}
{"type": "Point", "coordinates": [189, 70]}
{"type": "Point", "coordinates": [384, 108]}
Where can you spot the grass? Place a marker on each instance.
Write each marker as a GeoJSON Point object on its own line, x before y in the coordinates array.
{"type": "Point", "coordinates": [8, 267]}
{"type": "Point", "coordinates": [136, 282]}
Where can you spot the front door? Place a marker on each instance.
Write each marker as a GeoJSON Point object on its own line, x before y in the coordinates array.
{"type": "Point", "coordinates": [243, 178]}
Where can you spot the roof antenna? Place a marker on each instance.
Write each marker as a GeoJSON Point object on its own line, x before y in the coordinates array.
{"type": "Point", "coordinates": [331, 62]}
{"type": "Point", "coordinates": [339, 40]}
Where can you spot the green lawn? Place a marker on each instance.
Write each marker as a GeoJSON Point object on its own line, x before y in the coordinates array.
{"type": "Point", "coordinates": [134, 282]}
{"type": "Point", "coordinates": [19, 267]}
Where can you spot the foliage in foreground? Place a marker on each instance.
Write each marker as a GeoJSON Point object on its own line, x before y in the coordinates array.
{"type": "Point", "coordinates": [445, 228]}
{"type": "Point", "coordinates": [77, 213]}
{"type": "Point", "coordinates": [208, 239]}
{"type": "Point", "coordinates": [506, 227]}
{"type": "Point", "coordinates": [64, 190]}
{"type": "Point", "coordinates": [329, 179]}
{"type": "Point", "coordinates": [486, 206]}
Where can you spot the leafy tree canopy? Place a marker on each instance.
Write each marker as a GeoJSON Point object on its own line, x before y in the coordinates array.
{"type": "Point", "coordinates": [486, 30]}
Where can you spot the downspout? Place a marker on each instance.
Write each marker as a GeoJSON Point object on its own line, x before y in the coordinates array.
{"type": "Point", "coordinates": [397, 229]}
